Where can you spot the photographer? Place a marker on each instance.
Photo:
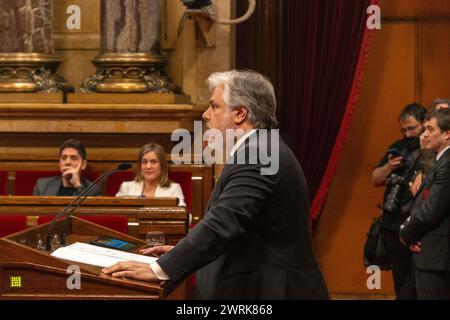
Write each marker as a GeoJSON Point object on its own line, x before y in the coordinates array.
{"type": "Point", "coordinates": [395, 171]}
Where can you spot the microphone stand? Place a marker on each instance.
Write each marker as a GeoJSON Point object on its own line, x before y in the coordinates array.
{"type": "Point", "coordinates": [74, 206]}
{"type": "Point", "coordinates": [76, 202]}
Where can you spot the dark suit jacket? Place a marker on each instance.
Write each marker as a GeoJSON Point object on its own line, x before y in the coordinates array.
{"type": "Point", "coordinates": [49, 187]}
{"type": "Point", "coordinates": [253, 240]}
{"type": "Point", "coordinates": [430, 219]}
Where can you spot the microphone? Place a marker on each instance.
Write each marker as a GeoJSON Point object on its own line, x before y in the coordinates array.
{"type": "Point", "coordinates": [67, 210]}
{"type": "Point", "coordinates": [124, 166]}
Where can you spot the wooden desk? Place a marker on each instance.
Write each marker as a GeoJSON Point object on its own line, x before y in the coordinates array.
{"type": "Point", "coordinates": [202, 175]}
{"type": "Point", "coordinates": [150, 214]}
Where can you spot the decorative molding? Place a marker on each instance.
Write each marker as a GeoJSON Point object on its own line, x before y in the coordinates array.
{"type": "Point", "coordinates": [129, 72]}
{"type": "Point", "coordinates": [76, 41]}
{"type": "Point", "coordinates": [31, 72]}
{"type": "Point", "coordinates": [96, 118]}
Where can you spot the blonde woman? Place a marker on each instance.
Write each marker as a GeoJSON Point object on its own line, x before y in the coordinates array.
{"type": "Point", "coordinates": [152, 177]}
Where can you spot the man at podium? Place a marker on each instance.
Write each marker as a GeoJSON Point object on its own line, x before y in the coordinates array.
{"type": "Point", "coordinates": [253, 241]}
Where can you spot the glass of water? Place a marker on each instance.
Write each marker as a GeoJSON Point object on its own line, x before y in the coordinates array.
{"type": "Point", "coordinates": [155, 238]}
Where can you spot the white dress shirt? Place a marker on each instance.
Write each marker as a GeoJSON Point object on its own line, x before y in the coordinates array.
{"type": "Point", "coordinates": [441, 153]}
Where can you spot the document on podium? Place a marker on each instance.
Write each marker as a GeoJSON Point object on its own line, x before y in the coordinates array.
{"type": "Point", "coordinates": [97, 256]}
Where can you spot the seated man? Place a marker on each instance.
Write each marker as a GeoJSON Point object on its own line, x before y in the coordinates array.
{"type": "Point", "coordinates": [72, 161]}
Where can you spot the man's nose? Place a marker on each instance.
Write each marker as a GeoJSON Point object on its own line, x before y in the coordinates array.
{"type": "Point", "coordinates": [205, 115]}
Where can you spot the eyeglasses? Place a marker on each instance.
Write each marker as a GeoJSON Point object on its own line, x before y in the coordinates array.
{"type": "Point", "coordinates": [409, 129]}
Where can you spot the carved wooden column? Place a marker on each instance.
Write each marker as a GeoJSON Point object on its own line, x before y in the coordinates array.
{"type": "Point", "coordinates": [27, 60]}
{"type": "Point", "coordinates": [130, 59]}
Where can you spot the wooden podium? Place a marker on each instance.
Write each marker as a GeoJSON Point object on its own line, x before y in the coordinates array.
{"type": "Point", "coordinates": [30, 273]}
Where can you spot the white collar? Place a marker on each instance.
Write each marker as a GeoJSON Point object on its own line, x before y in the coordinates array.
{"type": "Point", "coordinates": [241, 141]}
{"type": "Point", "coordinates": [441, 153]}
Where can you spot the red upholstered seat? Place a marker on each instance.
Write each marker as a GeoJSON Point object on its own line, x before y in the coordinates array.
{"type": "Point", "coordinates": [26, 180]}
{"type": "Point", "coordinates": [184, 178]}
{"type": "Point", "coordinates": [115, 180]}
{"type": "Point", "coordinates": [12, 224]}
{"type": "Point", "coordinates": [44, 219]}
{"type": "Point", "coordinates": [118, 223]}
{"type": "Point", "coordinates": [3, 182]}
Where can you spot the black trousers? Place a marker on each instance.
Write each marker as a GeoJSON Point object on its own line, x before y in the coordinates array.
{"type": "Point", "coordinates": [401, 265]}
{"type": "Point", "coordinates": [433, 285]}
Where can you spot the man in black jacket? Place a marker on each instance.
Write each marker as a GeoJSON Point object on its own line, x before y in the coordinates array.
{"type": "Point", "coordinates": [253, 240]}
{"type": "Point", "coordinates": [427, 230]}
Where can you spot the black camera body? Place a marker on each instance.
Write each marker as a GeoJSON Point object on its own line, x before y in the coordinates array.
{"type": "Point", "coordinates": [392, 201]}
{"type": "Point", "coordinates": [397, 198]}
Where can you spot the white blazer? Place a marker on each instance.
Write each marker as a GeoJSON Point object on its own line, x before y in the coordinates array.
{"type": "Point", "coordinates": [134, 189]}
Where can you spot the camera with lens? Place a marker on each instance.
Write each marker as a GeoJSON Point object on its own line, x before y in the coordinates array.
{"type": "Point", "coordinates": [393, 200]}
{"type": "Point", "coordinates": [397, 198]}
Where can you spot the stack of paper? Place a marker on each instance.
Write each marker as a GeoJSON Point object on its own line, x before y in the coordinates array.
{"type": "Point", "coordinates": [97, 256]}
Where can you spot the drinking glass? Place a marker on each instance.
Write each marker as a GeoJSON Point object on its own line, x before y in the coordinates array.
{"type": "Point", "coordinates": [155, 238]}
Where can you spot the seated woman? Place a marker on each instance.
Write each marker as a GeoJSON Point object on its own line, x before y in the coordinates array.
{"type": "Point", "coordinates": [152, 177]}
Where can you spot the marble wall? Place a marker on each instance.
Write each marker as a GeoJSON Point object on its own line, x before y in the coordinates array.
{"type": "Point", "coordinates": [26, 26]}
{"type": "Point", "coordinates": [131, 26]}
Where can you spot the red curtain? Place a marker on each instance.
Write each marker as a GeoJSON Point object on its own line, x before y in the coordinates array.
{"type": "Point", "coordinates": [325, 48]}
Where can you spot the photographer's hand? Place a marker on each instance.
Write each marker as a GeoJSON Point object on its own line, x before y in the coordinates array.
{"type": "Point", "coordinates": [380, 174]}
{"type": "Point", "coordinates": [394, 162]}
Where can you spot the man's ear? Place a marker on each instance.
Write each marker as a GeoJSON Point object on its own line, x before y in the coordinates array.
{"type": "Point", "coordinates": [83, 164]}
{"type": "Point", "coordinates": [240, 115]}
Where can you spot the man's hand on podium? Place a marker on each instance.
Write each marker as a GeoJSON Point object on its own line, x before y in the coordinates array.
{"type": "Point", "coordinates": [132, 270]}
{"type": "Point", "coordinates": [155, 251]}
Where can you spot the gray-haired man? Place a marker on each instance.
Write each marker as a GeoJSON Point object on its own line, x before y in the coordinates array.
{"type": "Point", "coordinates": [253, 241]}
